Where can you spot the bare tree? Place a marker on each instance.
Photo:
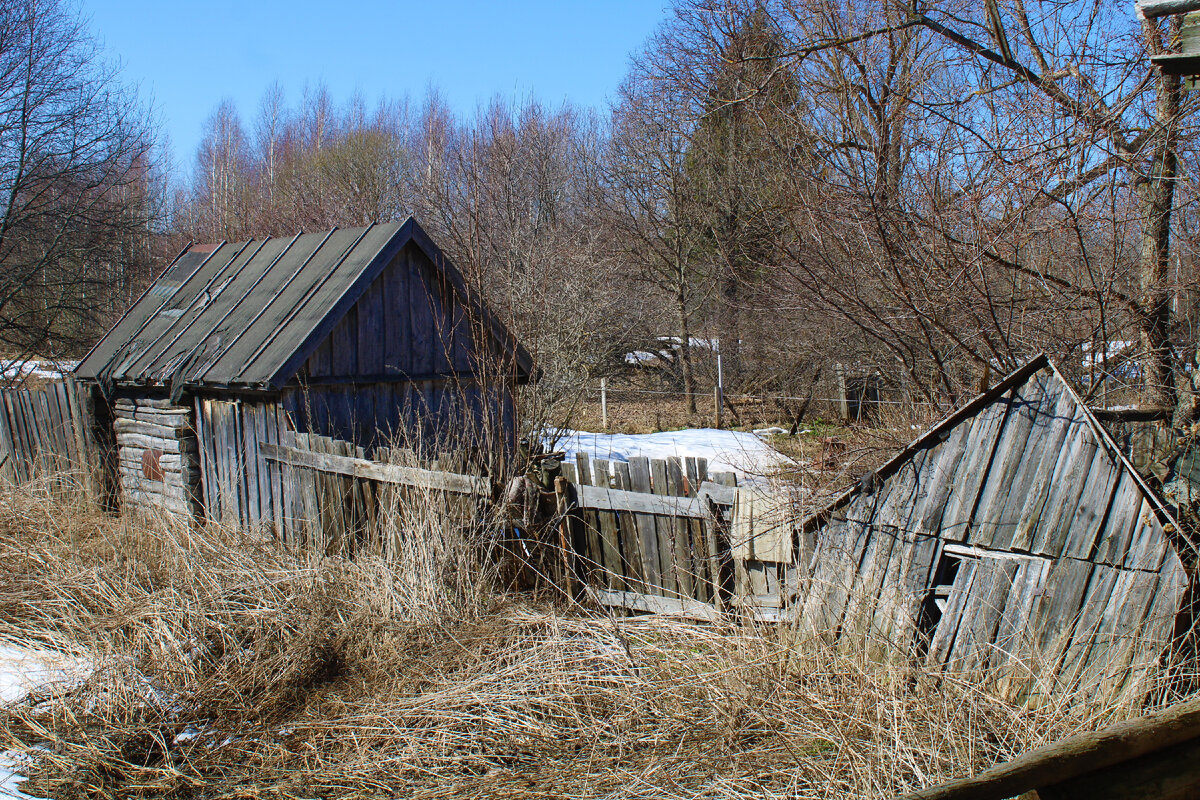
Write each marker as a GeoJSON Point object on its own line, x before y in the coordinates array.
{"type": "Point", "coordinates": [982, 182]}
{"type": "Point", "coordinates": [81, 186]}
{"type": "Point", "coordinates": [652, 208]}
{"type": "Point", "coordinates": [513, 194]}
{"type": "Point", "coordinates": [223, 175]}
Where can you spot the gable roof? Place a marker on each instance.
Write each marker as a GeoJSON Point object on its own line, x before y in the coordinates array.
{"type": "Point", "coordinates": [248, 314]}
{"type": "Point", "coordinates": [1080, 415]}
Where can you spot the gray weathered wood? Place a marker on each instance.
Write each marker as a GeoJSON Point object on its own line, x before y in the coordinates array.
{"type": "Point", "coordinates": [385, 473]}
{"type": "Point", "coordinates": [639, 473]}
{"type": "Point", "coordinates": [669, 606]}
{"type": "Point", "coordinates": [664, 530]}
{"type": "Point", "coordinates": [638, 502]}
{"type": "Point", "coordinates": [1080, 755]}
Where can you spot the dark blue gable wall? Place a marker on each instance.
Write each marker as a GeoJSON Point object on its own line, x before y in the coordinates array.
{"type": "Point", "coordinates": [404, 363]}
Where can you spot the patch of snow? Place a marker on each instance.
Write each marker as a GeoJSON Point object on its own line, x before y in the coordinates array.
{"type": "Point", "coordinates": [774, 430]}
{"type": "Point", "coordinates": [727, 451]}
{"type": "Point", "coordinates": [11, 764]}
{"type": "Point", "coordinates": [23, 670]}
{"type": "Point", "coordinates": [644, 357]}
{"type": "Point", "coordinates": [187, 734]}
{"type": "Point", "coordinates": [16, 368]}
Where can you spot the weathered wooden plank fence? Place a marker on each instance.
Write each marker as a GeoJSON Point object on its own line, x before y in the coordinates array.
{"type": "Point", "coordinates": [239, 489]}
{"type": "Point", "coordinates": [330, 497]}
{"type": "Point", "coordinates": [654, 535]}
{"type": "Point", "coordinates": [649, 528]}
{"type": "Point", "coordinates": [47, 431]}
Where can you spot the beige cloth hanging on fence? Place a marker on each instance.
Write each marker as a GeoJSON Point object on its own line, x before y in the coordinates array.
{"type": "Point", "coordinates": [761, 528]}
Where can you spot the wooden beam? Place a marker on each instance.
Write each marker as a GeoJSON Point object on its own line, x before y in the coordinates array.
{"type": "Point", "coordinates": [603, 499]}
{"type": "Point", "coordinates": [1161, 8]}
{"type": "Point", "coordinates": [669, 606]}
{"type": "Point", "coordinates": [717, 493]}
{"type": "Point", "coordinates": [371, 470]}
{"type": "Point", "coordinates": [1076, 756]}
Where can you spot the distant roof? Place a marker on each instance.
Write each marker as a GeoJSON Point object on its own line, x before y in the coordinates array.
{"type": "Point", "coordinates": [247, 314]}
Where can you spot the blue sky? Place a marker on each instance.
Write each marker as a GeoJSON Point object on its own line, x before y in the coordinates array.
{"type": "Point", "coordinates": [186, 56]}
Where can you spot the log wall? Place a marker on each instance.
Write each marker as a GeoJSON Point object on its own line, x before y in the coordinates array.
{"type": "Point", "coordinates": [157, 456]}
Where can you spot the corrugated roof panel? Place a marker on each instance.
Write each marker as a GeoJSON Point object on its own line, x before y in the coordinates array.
{"type": "Point", "coordinates": [235, 327]}
{"type": "Point", "coordinates": [310, 312]}
{"type": "Point", "coordinates": [150, 302]}
{"type": "Point", "coordinates": [296, 278]}
{"type": "Point", "coordinates": [225, 310]}
{"type": "Point", "coordinates": [181, 315]}
{"type": "Point", "coordinates": [156, 325]}
{"type": "Point", "coordinates": [245, 314]}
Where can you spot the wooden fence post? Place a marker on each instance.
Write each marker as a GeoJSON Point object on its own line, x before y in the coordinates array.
{"type": "Point", "coordinates": [604, 403]}
{"type": "Point", "coordinates": [564, 538]}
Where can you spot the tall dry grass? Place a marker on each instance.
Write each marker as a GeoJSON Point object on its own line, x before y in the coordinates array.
{"type": "Point", "coordinates": [230, 668]}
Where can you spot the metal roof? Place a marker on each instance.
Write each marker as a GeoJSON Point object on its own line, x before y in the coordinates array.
{"type": "Point", "coordinates": [247, 314]}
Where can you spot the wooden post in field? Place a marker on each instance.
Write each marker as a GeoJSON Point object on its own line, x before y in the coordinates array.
{"type": "Point", "coordinates": [718, 393]}
{"type": "Point", "coordinates": [604, 403]}
{"type": "Point", "coordinates": [843, 394]}
{"type": "Point", "coordinates": [564, 534]}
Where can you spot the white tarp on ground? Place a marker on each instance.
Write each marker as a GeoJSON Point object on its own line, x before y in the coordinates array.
{"type": "Point", "coordinates": [23, 670]}
{"type": "Point", "coordinates": [727, 451]}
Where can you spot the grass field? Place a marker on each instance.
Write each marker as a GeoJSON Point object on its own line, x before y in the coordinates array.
{"type": "Point", "coordinates": [226, 668]}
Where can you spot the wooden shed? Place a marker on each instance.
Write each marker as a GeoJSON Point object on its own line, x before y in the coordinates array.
{"type": "Point", "coordinates": [1013, 537]}
{"type": "Point", "coordinates": [361, 334]}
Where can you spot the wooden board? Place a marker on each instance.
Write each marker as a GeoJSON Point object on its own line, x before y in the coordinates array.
{"type": "Point", "coordinates": [385, 473]}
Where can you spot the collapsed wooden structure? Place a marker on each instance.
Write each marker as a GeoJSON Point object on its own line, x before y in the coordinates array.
{"type": "Point", "coordinates": [365, 335]}
{"type": "Point", "coordinates": [1014, 537]}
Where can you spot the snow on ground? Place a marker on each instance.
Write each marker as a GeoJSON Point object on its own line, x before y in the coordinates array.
{"type": "Point", "coordinates": [14, 368]}
{"type": "Point", "coordinates": [727, 451]}
{"type": "Point", "coordinates": [23, 670]}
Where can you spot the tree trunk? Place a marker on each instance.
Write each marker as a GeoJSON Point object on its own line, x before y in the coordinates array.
{"type": "Point", "coordinates": [1157, 195]}
{"type": "Point", "coordinates": [685, 351]}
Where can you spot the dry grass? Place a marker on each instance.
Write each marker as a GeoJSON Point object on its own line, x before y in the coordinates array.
{"type": "Point", "coordinates": [231, 669]}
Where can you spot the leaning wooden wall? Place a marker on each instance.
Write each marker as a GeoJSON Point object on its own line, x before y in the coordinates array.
{"type": "Point", "coordinates": [157, 463]}
{"type": "Point", "coordinates": [1013, 540]}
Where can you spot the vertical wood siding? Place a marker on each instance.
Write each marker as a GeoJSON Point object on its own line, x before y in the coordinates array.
{"type": "Point", "coordinates": [406, 326]}
{"type": "Point", "coordinates": [1066, 579]}
{"type": "Point", "coordinates": [405, 362]}
{"type": "Point", "coordinates": [238, 488]}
